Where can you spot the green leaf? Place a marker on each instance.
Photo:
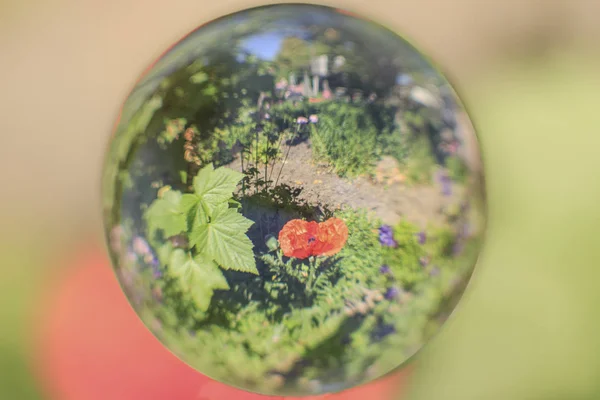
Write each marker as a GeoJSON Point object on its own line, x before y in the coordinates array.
{"type": "Point", "coordinates": [188, 202]}
{"type": "Point", "coordinates": [164, 253]}
{"type": "Point", "coordinates": [189, 206]}
{"type": "Point", "coordinates": [216, 186]}
{"type": "Point", "coordinates": [165, 214]}
{"type": "Point", "coordinates": [224, 240]}
{"type": "Point", "coordinates": [198, 276]}
{"type": "Point", "coordinates": [199, 77]}
{"type": "Point", "coordinates": [235, 203]}
{"type": "Point", "coordinates": [183, 176]}
{"type": "Point", "coordinates": [210, 90]}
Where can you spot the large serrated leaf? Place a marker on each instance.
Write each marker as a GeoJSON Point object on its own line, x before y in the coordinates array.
{"type": "Point", "coordinates": [192, 209]}
{"type": "Point", "coordinates": [225, 241]}
{"type": "Point", "coordinates": [199, 276]}
{"type": "Point", "coordinates": [216, 186]}
{"type": "Point", "coordinates": [165, 214]}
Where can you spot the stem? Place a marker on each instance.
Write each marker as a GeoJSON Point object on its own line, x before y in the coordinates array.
{"type": "Point", "coordinates": [256, 160]}
{"type": "Point", "coordinates": [311, 275]}
{"type": "Point", "coordinates": [244, 172]}
{"type": "Point", "coordinates": [286, 157]}
{"type": "Point", "coordinates": [266, 165]}
{"type": "Point", "coordinates": [275, 158]}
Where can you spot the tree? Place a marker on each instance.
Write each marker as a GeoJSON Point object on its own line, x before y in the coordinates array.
{"type": "Point", "coordinates": [293, 58]}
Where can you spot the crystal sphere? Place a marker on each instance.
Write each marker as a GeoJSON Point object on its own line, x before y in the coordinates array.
{"type": "Point", "coordinates": [293, 200]}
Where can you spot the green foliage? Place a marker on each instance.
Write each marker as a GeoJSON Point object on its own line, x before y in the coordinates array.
{"type": "Point", "coordinates": [216, 231]}
{"type": "Point", "coordinates": [223, 239]}
{"type": "Point", "coordinates": [350, 138]}
{"type": "Point", "coordinates": [420, 163]}
{"type": "Point", "coordinates": [457, 169]}
{"type": "Point", "coordinates": [405, 260]}
{"type": "Point", "coordinates": [294, 56]}
{"type": "Point", "coordinates": [167, 214]}
{"type": "Point", "coordinates": [214, 187]}
{"type": "Point", "coordinates": [173, 128]}
{"type": "Point", "coordinates": [198, 275]}
{"type": "Point", "coordinates": [324, 319]}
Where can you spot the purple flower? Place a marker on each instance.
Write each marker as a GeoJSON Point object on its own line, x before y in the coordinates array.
{"type": "Point", "coordinates": [386, 236]}
{"type": "Point", "coordinates": [156, 272]}
{"type": "Point", "coordinates": [302, 120]}
{"type": "Point", "coordinates": [392, 293]}
{"type": "Point", "coordinates": [385, 229]}
{"type": "Point", "coordinates": [385, 269]}
{"type": "Point", "coordinates": [457, 248]}
{"type": "Point", "coordinates": [446, 184]}
{"type": "Point", "coordinates": [422, 238]}
{"type": "Point", "coordinates": [313, 119]}
{"type": "Point", "coordinates": [384, 331]}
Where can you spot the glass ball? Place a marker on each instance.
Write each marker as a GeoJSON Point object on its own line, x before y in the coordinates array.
{"type": "Point", "coordinates": [293, 200]}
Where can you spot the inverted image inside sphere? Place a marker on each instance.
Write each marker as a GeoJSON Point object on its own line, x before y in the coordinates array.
{"type": "Point", "coordinates": [293, 200]}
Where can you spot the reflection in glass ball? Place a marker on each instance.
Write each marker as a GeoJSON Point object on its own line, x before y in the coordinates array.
{"type": "Point", "coordinates": [293, 200]}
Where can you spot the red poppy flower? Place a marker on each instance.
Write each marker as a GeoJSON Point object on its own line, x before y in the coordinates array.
{"type": "Point", "coordinates": [331, 237]}
{"type": "Point", "coordinates": [302, 239]}
{"type": "Point", "coordinates": [297, 238]}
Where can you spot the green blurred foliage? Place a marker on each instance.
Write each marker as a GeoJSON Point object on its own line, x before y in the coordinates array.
{"type": "Point", "coordinates": [318, 321]}
{"type": "Point", "coordinates": [527, 328]}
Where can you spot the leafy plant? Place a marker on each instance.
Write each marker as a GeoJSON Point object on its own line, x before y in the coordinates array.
{"type": "Point", "coordinates": [420, 163]}
{"type": "Point", "coordinates": [457, 169]}
{"type": "Point", "coordinates": [346, 139]}
{"type": "Point", "coordinates": [405, 259]}
{"type": "Point", "coordinates": [209, 218]}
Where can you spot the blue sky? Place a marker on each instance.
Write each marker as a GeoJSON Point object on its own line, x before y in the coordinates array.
{"type": "Point", "coordinates": [265, 45]}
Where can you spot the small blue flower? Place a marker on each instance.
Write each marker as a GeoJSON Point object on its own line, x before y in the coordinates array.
{"type": "Point", "coordinates": [422, 237]}
{"type": "Point", "coordinates": [386, 236]}
{"type": "Point", "coordinates": [383, 331]}
{"type": "Point", "coordinates": [392, 293]}
{"type": "Point", "coordinates": [446, 183]}
{"type": "Point", "coordinates": [156, 272]}
{"type": "Point", "coordinates": [457, 248]}
{"type": "Point", "coordinates": [154, 262]}
{"type": "Point", "coordinates": [385, 269]}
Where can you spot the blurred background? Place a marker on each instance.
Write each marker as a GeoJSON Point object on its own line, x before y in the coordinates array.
{"type": "Point", "coordinates": [528, 73]}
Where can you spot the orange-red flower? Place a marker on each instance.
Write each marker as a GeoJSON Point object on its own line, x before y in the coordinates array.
{"type": "Point", "coordinates": [331, 237]}
{"type": "Point", "coordinates": [302, 239]}
{"type": "Point", "coordinates": [297, 238]}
